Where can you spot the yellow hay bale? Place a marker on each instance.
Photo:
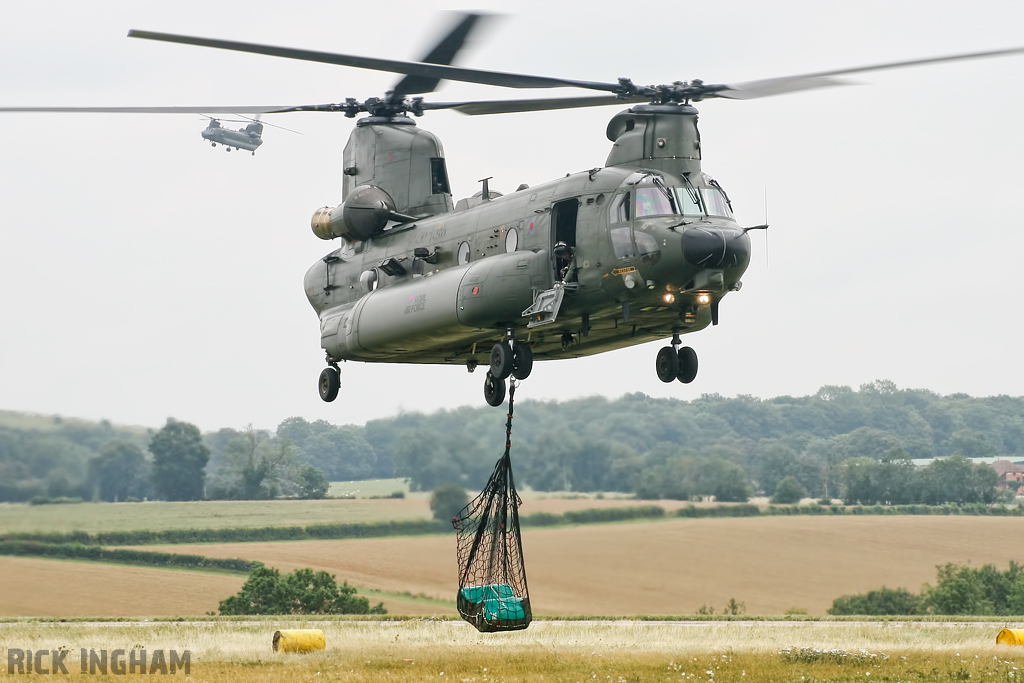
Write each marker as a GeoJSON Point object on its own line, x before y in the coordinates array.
{"type": "Point", "coordinates": [299, 640]}
{"type": "Point", "coordinates": [1011, 636]}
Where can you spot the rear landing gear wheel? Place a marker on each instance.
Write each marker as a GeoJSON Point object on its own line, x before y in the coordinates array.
{"type": "Point", "coordinates": [687, 365]}
{"type": "Point", "coordinates": [667, 364]}
{"type": "Point", "coordinates": [522, 360]}
{"type": "Point", "coordinates": [501, 362]}
{"type": "Point", "coordinates": [494, 390]}
{"type": "Point", "coordinates": [329, 384]}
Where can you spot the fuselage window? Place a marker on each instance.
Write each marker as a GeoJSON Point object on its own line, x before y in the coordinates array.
{"type": "Point", "coordinates": [511, 240]}
{"type": "Point", "coordinates": [653, 201]}
{"type": "Point", "coordinates": [622, 242]}
{"type": "Point", "coordinates": [463, 257]}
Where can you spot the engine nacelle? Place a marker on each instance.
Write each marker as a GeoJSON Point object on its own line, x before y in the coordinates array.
{"type": "Point", "coordinates": [364, 213]}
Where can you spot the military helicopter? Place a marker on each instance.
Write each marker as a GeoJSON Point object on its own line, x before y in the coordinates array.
{"type": "Point", "coordinates": [643, 248]}
{"type": "Point", "coordinates": [248, 138]}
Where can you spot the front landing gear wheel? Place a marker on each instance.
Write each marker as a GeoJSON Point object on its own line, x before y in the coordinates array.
{"type": "Point", "coordinates": [667, 364]}
{"type": "Point", "coordinates": [329, 384]}
{"type": "Point", "coordinates": [494, 390]}
{"type": "Point", "coordinates": [522, 360]}
{"type": "Point", "coordinates": [687, 365]}
{"type": "Point", "coordinates": [501, 362]}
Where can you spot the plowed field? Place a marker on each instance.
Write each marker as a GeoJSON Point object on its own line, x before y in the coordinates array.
{"type": "Point", "coordinates": [771, 564]}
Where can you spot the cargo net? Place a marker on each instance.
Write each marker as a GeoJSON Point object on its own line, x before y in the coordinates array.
{"type": "Point", "coordinates": [492, 579]}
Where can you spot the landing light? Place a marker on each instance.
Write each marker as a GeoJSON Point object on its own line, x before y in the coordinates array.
{"type": "Point", "coordinates": [669, 298]}
{"type": "Point", "coordinates": [703, 299]}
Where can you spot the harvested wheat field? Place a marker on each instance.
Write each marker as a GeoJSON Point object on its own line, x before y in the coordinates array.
{"type": "Point", "coordinates": [34, 587]}
{"type": "Point", "coordinates": [59, 588]}
{"type": "Point", "coordinates": [240, 652]}
{"type": "Point", "coordinates": [771, 564]}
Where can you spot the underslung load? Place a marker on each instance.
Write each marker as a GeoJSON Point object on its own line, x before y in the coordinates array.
{"type": "Point", "coordinates": [493, 595]}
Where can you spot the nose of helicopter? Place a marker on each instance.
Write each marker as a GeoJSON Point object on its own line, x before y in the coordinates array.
{"type": "Point", "coordinates": [716, 247]}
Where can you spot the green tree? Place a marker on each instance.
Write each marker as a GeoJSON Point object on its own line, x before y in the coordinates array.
{"type": "Point", "coordinates": [120, 470]}
{"type": "Point", "coordinates": [789, 491]}
{"type": "Point", "coordinates": [179, 461]}
{"type": "Point", "coordinates": [884, 601]}
{"type": "Point", "coordinates": [447, 500]}
{"type": "Point", "coordinates": [260, 464]}
{"type": "Point", "coordinates": [312, 483]}
{"type": "Point", "coordinates": [267, 591]}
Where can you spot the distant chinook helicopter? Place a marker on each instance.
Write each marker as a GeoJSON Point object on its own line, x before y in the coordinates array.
{"type": "Point", "coordinates": [248, 138]}
{"type": "Point", "coordinates": [641, 249]}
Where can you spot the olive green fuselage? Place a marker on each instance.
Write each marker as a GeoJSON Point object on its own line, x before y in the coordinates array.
{"type": "Point", "coordinates": [642, 267]}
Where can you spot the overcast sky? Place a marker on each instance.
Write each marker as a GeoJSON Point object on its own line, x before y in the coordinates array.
{"type": "Point", "coordinates": [144, 274]}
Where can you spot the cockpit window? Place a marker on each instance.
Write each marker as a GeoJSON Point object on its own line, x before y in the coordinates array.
{"type": "Point", "coordinates": [688, 200]}
{"type": "Point", "coordinates": [653, 201]}
{"type": "Point", "coordinates": [716, 202]}
{"type": "Point", "coordinates": [618, 210]}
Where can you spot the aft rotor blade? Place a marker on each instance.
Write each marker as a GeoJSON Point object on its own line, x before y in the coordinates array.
{"type": "Point", "coordinates": [443, 53]}
{"type": "Point", "coordinates": [822, 79]}
{"type": "Point", "coordinates": [513, 106]}
{"type": "Point", "coordinates": [244, 109]}
{"type": "Point", "coordinates": [439, 71]}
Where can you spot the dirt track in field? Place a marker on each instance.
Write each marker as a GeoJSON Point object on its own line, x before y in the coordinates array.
{"type": "Point", "coordinates": [674, 567]}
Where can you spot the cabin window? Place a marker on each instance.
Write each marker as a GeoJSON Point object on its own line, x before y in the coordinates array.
{"type": "Point", "coordinates": [511, 240]}
{"type": "Point", "coordinates": [369, 280]}
{"type": "Point", "coordinates": [653, 201]}
{"type": "Point", "coordinates": [438, 176]}
{"type": "Point", "coordinates": [622, 242]}
{"type": "Point", "coordinates": [463, 256]}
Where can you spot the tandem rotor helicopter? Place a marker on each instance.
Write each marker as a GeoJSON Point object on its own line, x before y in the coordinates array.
{"type": "Point", "coordinates": [640, 249]}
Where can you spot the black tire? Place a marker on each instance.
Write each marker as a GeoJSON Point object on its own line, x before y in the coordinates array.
{"type": "Point", "coordinates": [329, 384]}
{"type": "Point", "coordinates": [687, 365]}
{"type": "Point", "coordinates": [667, 364]}
{"type": "Point", "coordinates": [501, 361]}
{"type": "Point", "coordinates": [494, 390]}
{"type": "Point", "coordinates": [522, 360]}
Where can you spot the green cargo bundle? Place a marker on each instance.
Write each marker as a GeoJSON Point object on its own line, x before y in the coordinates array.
{"type": "Point", "coordinates": [492, 578]}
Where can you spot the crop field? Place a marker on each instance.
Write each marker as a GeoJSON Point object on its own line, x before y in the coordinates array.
{"type": "Point", "coordinates": [240, 652]}
{"type": "Point", "coordinates": [674, 566]}
{"type": "Point", "coordinates": [67, 589]}
{"type": "Point", "coordinates": [218, 514]}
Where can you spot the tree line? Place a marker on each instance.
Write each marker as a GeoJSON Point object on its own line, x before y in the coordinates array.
{"type": "Point", "coordinates": [839, 443]}
{"type": "Point", "coordinates": [959, 589]}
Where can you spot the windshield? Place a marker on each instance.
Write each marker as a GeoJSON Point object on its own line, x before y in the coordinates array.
{"type": "Point", "coordinates": [659, 200]}
{"type": "Point", "coordinates": [653, 201]}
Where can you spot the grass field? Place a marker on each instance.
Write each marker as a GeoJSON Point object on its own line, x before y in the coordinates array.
{"type": "Point", "coordinates": [675, 566]}
{"type": "Point", "coordinates": [217, 514]}
{"type": "Point", "coordinates": [240, 652]}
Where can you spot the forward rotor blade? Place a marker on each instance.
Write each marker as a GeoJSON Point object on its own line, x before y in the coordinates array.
{"type": "Point", "coordinates": [245, 109]}
{"type": "Point", "coordinates": [513, 106]}
{"type": "Point", "coordinates": [430, 71]}
{"type": "Point", "coordinates": [822, 79]}
{"type": "Point", "coordinates": [443, 53]}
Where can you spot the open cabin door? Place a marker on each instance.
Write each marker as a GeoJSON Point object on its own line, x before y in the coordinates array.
{"type": "Point", "coordinates": [563, 235]}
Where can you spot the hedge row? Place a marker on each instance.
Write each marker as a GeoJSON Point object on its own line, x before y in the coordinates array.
{"type": "Point", "coordinates": [412, 527]}
{"type": "Point", "coordinates": [77, 551]}
{"type": "Point", "coordinates": [419, 527]}
{"type": "Point", "coordinates": [747, 510]}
